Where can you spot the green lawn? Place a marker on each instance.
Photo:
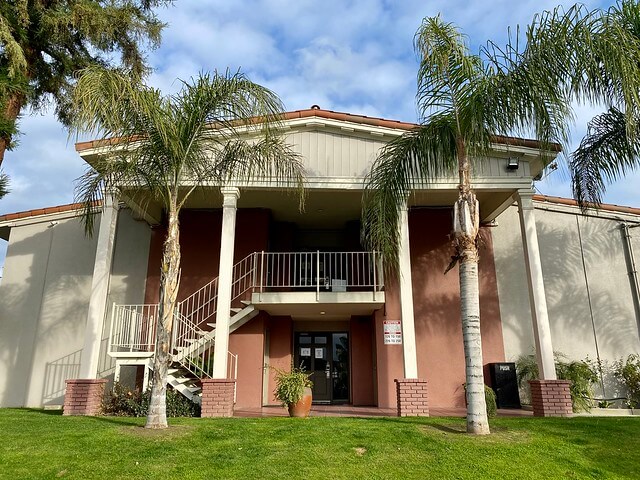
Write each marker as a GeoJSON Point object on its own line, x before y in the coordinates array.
{"type": "Point", "coordinates": [39, 444]}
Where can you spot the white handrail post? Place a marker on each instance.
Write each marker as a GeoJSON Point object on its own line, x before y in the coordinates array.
{"type": "Point", "coordinates": [261, 273]}
{"type": "Point", "coordinates": [317, 275]}
{"type": "Point", "coordinates": [113, 310]}
{"type": "Point", "coordinates": [375, 277]}
{"type": "Point", "coordinates": [176, 325]}
{"type": "Point", "coordinates": [255, 271]}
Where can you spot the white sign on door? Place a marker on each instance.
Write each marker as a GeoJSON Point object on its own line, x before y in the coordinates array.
{"type": "Point", "coordinates": [392, 332]}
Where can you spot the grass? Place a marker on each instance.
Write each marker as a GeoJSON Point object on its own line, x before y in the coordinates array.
{"type": "Point", "coordinates": [43, 444]}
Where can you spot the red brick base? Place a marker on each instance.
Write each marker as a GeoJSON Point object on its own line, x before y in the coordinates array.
{"type": "Point", "coordinates": [84, 397]}
{"type": "Point", "coordinates": [551, 398]}
{"type": "Point", "coordinates": [217, 397]}
{"type": "Point", "coordinates": [412, 397]}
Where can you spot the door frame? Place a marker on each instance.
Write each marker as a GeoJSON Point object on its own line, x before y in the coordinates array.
{"type": "Point", "coordinates": [330, 345]}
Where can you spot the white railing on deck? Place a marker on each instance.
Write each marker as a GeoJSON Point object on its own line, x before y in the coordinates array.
{"type": "Point", "coordinates": [335, 271]}
{"type": "Point", "coordinates": [133, 327]}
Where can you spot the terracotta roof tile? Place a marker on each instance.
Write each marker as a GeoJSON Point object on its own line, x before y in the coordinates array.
{"type": "Point", "coordinates": [348, 117]}
{"type": "Point", "coordinates": [607, 207]}
{"type": "Point", "coordinates": [42, 211]}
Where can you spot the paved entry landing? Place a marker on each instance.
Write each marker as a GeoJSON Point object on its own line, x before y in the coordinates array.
{"type": "Point", "coordinates": [351, 411]}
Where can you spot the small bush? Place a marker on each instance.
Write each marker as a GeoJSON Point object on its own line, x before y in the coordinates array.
{"type": "Point", "coordinates": [582, 374]}
{"type": "Point", "coordinates": [290, 385]}
{"type": "Point", "coordinates": [629, 373]}
{"type": "Point", "coordinates": [489, 400]}
{"type": "Point", "coordinates": [124, 402]}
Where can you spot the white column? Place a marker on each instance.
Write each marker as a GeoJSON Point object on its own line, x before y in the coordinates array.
{"type": "Point", "coordinates": [99, 288]}
{"type": "Point", "coordinates": [537, 298]}
{"type": "Point", "coordinates": [406, 299]}
{"type": "Point", "coordinates": [225, 280]}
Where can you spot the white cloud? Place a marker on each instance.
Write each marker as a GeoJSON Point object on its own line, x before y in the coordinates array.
{"type": "Point", "coordinates": [348, 55]}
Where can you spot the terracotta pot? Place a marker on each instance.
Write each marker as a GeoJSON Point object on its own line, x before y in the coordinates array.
{"type": "Point", "coordinates": [302, 408]}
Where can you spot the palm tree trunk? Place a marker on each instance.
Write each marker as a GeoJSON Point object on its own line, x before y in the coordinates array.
{"type": "Point", "coordinates": [170, 280]}
{"type": "Point", "coordinates": [10, 114]}
{"type": "Point", "coordinates": [466, 228]}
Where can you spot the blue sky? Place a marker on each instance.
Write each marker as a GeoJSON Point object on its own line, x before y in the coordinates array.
{"type": "Point", "coordinates": [347, 55]}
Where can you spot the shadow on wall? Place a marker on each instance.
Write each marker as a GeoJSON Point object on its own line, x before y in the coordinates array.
{"type": "Point", "coordinates": [42, 305]}
{"type": "Point", "coordinates": [573, 314]}
{"type": "Point", "coordinates": [58, 371]}
{"type": "Point", "coordinates": [437, 306]}
{"type": "Point", "coordinates": [44, 301]}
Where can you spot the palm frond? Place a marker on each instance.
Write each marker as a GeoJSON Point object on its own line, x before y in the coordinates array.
{"type": "Point", "coordinates": [414, 159]}
{"type": "Point", "coordinates": [447, 69]}
{"type": "Point", "coordinates": [4, 184]}
{"type": "Point", "coordinates": [605, 154]}
{"type": "Point", "coordinates": [219, 128]}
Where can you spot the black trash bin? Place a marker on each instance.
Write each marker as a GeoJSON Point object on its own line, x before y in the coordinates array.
{"type": "Point", "coordinates": [505, 383]}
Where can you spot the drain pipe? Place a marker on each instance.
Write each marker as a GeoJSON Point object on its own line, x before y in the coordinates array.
{"type": "Point", "coordinates": [593, 322]}
{"type": "Point", "coordinates": [633, 271]}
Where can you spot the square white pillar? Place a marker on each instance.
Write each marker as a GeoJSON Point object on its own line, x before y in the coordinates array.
{"type": "Point", "coordinates": [406, 299]}
{"type": "Point", "coordinates": [99, 288]}
{"type": "Point", "coordinates": [225, 280]}
{"type": "Point", "coordinates": [537, 298]}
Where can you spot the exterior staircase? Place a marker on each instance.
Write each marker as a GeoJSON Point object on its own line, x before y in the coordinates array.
{"type": "Point", "coordinates": [133, 327]}
{"type": "Point", "coordinates": [133, 333]}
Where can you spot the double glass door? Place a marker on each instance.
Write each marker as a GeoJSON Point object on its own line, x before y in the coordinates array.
{"type": "Point", "coordinates": [326, 356]}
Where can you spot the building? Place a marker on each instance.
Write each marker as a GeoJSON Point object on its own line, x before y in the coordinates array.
{"type": "Point", "coordinates": [303, 289]}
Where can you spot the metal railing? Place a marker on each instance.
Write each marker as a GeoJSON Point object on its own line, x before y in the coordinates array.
{"type": "Point", "coordinates": [324, 271]}
{"type": "Point", "coordinates": [133, 327]}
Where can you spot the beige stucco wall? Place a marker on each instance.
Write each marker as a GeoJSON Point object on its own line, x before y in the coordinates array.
{"type": "Point", "coordinates": [565, 237]}
{"type": "Point", "coordinates": [44, 298]}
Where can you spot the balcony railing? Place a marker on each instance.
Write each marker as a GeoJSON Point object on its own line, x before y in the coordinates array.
{"type": "Point", "coordinates": [133, 327]}
{"type": "Point", "coordinates": [322, 271]}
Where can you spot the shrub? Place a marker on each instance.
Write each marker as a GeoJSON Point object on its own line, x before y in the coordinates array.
{"type": "Point", "coordinates": [629, 373]}
{"type": "Point", "coordinates": [582, 374]}
{"type": "Point", "coordinates": [290, 385]}
{"type": "Point", "coordinates": [489, 399]}
{"type": "Point", "coordinates": [124, 402]}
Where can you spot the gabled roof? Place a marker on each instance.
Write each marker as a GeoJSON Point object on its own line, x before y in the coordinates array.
{"type": "Point", "coordinates": [317, 112]}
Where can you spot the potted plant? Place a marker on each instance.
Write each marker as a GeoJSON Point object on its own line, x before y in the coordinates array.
{"type": "Point", "coordinates": [293, 390]}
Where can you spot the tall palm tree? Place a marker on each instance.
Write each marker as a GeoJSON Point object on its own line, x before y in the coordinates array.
{"type": "Point", "coordinates": [529, 87]}
{"type": "Point", "coordinates": [464, 103]}
{"type": "Point", "coordinates": [164, 147]}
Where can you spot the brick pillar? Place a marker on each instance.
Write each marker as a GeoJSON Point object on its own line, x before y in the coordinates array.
{"type": "Point", "coordinates": [551, 398]}
{"type": "Point", "coordinates": [412, 397]}
{"type": "Point", "coordinates": [217, 397]}
{"type": "Point", "coordinates": [84, 397]}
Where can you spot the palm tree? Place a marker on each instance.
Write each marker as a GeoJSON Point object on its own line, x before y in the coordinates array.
{"type": "Point", "coordinates": [165, 147]}
{"type": "Point", "coordinates": [569, 56]}
{"type": "Point", "coordinates": [464, 104]}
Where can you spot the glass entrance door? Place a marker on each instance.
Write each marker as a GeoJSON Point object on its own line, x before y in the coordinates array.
{"type": "Point", "coordinates": [326, 355]}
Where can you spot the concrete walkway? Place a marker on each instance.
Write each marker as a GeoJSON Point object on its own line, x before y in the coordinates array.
{"type": "Point", "coordinates": [351, 411]}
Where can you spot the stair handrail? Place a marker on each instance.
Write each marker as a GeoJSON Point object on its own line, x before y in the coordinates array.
{"type": "Point", "coordinates": [189, 326]}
